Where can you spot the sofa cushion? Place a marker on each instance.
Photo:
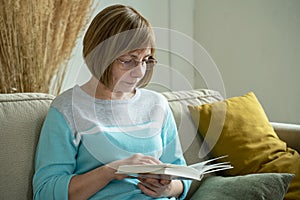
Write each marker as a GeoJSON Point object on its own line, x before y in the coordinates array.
{"type": "Point", "coordinates": [264, 186]}
{"type": "Point", "coordinates": [248, 138]}
{"type": "Point", "coordinates": [21, 117]}
{"type": "Point", "coordinates": [191, 141]}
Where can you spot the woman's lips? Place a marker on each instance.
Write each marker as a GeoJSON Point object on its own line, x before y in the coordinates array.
{"type": "Point", "coordinates": [130, 83]}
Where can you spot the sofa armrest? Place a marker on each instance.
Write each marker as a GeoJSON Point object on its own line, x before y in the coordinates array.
{"type": "Point", "coordinates": [290, 133]}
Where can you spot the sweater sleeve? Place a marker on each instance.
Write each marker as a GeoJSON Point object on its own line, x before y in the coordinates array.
{"type": "Point", "coordinates": [55, 158]}
{"type": "Point", "coordinates": [172, 152]}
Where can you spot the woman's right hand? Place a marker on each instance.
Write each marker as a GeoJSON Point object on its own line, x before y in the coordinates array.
{"type": "Point", "coordinates": [136, 159]}
{"type": "Point", "coordinates": [85, 185]}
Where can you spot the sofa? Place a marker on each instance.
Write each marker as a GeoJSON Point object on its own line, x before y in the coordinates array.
{"type": "Point", "coordinates": [22, 115]}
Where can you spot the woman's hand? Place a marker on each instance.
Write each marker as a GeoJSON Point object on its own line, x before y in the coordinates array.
{"type": "Point", "coordinates": [83, 186]}
{"type": "Point", "coordinates": [155, 187]}
{"type": "Point", "coordinates": [136, 159]}
{"type": "Point", "coordinates": [160, 187]}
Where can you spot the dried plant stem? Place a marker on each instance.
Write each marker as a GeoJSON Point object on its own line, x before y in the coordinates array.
{"type": "Point", "coordinates": [36, 40]}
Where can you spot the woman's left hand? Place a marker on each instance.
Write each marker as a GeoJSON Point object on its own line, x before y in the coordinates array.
{"type": "Point", "coordinates": [160, 187]}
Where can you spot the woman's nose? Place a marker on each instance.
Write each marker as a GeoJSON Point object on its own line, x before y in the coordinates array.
{"type": "Point", "coordinates": [138, 71]}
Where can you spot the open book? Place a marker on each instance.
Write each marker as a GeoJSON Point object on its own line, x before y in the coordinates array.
{"type": "Point", "coordinates": [171, 171]}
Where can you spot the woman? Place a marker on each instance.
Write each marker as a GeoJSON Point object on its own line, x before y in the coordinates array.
{"type": "Point", "coordinates": [109, 121]}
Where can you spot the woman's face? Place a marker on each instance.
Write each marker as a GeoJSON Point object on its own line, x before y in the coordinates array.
{"type": "Point", "coordinates": [128, 69]}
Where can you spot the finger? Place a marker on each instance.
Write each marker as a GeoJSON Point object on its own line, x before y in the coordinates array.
{"type": "Point", "coordinates": [146, 190]}
{"type": "Point", "coordinates": [152, 182]}
{"type": "Point", "coordinates": [152, 160]}
{"type": "Point", "coordinates": [155, 181]}
{"type": "Point", "coordinates": [148, 175]}
{"type": "Point", "coordinates": [164, 182]}
{"type": "Point", "coordinates": [144, 159]}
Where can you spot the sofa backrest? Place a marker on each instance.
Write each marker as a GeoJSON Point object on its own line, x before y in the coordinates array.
{"type": "Point", "coordinates": [21, 118]}
{"type": "Point", "coordinates": [178, 101]}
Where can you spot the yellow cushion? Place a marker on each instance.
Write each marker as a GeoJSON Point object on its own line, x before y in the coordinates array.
{"type": "Point", "coordinates": [238, 127]}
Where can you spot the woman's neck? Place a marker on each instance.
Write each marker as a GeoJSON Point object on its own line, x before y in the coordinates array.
{"type": "Point", "coordinates": [98, 90]}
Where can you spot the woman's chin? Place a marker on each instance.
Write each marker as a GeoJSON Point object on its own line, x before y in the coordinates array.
{"type": "Point", "coordinates": [125, 87]}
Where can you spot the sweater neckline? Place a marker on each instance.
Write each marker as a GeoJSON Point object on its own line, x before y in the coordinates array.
{"type": "Point", "coordinates": [86, 96]}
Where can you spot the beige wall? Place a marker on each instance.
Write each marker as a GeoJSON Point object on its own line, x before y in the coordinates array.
{"type": "Point", "coordinates": [256, 46]}
{"type": "Point", "coordinates": [254, 43]}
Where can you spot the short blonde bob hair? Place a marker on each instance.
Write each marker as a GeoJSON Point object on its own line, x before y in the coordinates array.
{"type": "Point", "coordinates": [114, 31]}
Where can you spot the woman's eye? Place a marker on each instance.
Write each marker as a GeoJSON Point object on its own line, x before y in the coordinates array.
{"type": "Point", "coordinates": [128, 61]}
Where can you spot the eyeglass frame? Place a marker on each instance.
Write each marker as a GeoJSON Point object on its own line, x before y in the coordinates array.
{"type": "Point", "coordinates": [136, 63]}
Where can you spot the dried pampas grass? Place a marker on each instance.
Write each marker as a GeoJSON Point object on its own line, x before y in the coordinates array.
{"type": "Point", "coordinates": [36, 41]}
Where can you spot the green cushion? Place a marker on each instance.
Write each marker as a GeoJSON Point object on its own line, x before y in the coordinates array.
{"type": "Point", "coordinates": [266, 186]}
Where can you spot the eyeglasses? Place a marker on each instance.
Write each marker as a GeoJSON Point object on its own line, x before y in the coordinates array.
{"type": "Point", "coordinates": [132, 63]}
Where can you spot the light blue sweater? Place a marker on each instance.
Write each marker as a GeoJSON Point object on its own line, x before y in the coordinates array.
{"type": "Point", "coordinates": [81, 133]}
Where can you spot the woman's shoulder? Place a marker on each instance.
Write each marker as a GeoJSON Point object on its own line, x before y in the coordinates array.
{"type": "Point", "coordinates": [63, 99]}
{"type": "Point", "coordinates": [152, 95]}
{"type": "Point", "coordinates": [70, 97]}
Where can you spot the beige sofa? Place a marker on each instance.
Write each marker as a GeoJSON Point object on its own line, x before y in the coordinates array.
{"type": "Point", "coordinates": [22, 115]}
